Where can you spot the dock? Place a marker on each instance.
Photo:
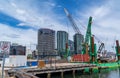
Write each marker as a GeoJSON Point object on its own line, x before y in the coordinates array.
{"type": "Point", "coordinates": [61, 68]}
{"type": "Point", "coordinates": [48, 70]}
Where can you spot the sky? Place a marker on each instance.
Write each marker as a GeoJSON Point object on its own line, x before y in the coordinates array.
{"type": "Point", "coordinates": [21, 19]}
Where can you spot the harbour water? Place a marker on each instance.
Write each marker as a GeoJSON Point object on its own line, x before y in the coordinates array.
{"type": "Point", "coordinates": [103, 74]}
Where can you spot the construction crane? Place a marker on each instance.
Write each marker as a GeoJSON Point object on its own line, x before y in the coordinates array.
{"type": "Point", "coordinates": [74, 25]}
{"type": "Point", "coordinates": [88, 45]}
{"type": "Point", "coordinates": [99, 52]}
{"type": "Point", "coordinates": [88, 32]}
{"type": "Point", "coordinates": [76, 29]}
{"type": "Point", "coordinates": [87, 37]}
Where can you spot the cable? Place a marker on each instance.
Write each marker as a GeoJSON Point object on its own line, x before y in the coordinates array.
{"type": "Point", "coordinates": [99, 41]}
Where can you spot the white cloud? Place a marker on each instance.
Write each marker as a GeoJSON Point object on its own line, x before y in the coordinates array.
{"type": "Point", "coordinates": [105, 21]}
{"type": "Point", "coordinates": [16, 35]}
{"type": "Point", "coordinates": [13, 4]}
{"type": "Point", "coordinates": [20, 11]}
{"type": "Point", "coordinates": [45, 18]}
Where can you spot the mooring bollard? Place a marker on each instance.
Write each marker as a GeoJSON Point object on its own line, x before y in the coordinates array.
{"type": "Point", "coordinates": [62, 74]}
{"type": "Point", "coordinates": [73, 73]}
{"type": "Point", "coordinates": [90, 71]}
{"type": "Point", "coordinates": [99, 70]}
{"type": "Point", "coordinates": [48, 75]}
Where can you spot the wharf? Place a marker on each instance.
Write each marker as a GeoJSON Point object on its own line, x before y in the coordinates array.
{"type": "Point", "coordinates": [62, 68]}
{"type": "Point", "coordinates": [48, 70]}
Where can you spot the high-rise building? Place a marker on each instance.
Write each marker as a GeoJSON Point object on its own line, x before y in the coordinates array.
{"type": "Point", "coordinates": [17, 50]}
{"type": "Point", "coordinates": [62, 40]}
{"type": "Point", "coordinates": [71, 47]}
{"type": "Point", "coordinates": [46, 42]}
{"type": "Point", "coordinates": [78, 40]}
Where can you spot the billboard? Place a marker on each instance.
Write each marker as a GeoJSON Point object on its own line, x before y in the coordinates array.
{"type": "Point", "coordinates": [4, 47]}
{"type": "Point", "coordinates": [17, 50]}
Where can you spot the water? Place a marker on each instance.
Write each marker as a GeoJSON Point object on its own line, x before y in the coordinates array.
{"type": "Point", "coordinates": [103, 74]}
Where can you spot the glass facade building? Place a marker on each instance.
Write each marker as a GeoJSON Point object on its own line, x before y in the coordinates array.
{"type": "Point", "coordinates": [46, 42]}
{"type": "Point", "coordinates": [62, 40]}
{"type": "Point", "coordinates": [78, 40]}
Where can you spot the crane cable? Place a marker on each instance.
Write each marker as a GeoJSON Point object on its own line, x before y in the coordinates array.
{"type": "Point", "coordinates": [99, 41]}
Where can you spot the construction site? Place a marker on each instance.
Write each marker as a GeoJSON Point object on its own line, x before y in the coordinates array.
{"type": "Point", "coordinates": [91, 59]}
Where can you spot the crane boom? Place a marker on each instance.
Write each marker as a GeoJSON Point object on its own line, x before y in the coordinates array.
{"type": "Point", "coordinates": [88, 32]}
{"type": "Point", "coordinates": [75, 27]}
{"type": "Point", "coordinates": [101, 47]}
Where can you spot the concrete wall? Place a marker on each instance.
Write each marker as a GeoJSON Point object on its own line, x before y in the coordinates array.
{"type": "Point", "coordinates": [17, 60]}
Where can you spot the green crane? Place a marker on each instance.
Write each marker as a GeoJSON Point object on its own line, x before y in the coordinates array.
{"type": "Point", "coordinates": [87, 37]}
{"type": "Point", "coordinates": [88, 32]}
{"type": "Point", "coordinates": [118, 51]}
{"type": "Point", "coordinates": [89, 47]}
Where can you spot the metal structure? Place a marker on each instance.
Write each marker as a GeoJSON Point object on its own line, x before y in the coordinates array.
{"type": "Point", "coordinates": [88, 32]}
{"type": "Point", "coordinates": [99, 52]}
{"type": "Point", "coordinates": [118, 50]}
{"type": "Point", "coordinates": [93, 51]}
{"type": "Point", "coordinates": [87, 37]}
{"type": "Point", "coordinates": [74, 25]}
{"type": "Point", "coordinates": [4, 48]}
{"type": "Point", "coordinates": [89, 47]}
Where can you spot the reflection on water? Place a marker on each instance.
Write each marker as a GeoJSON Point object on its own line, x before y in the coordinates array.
{"type": "Point", "coordinates": [119, 72]}
{"type": "Point", "coordinates": [102, 74]}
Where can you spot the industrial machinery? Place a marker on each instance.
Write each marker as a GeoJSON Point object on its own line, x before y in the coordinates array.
{"type": "Point", "coordinates": [76, 29]}
{"type": "Point", "coordinates": [100, 50]}
{"type": "Point", "coordinates": [89, 47]}
{"type": "Point", "coordinates": [74, 25]}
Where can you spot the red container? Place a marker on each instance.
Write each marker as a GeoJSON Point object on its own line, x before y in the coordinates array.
{"type": "Point", "coordinates": [81, 58]}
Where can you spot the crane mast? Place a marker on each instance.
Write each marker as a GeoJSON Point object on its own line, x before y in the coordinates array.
{"type": "Point", "coordinates": [88, 32]}
{"type": "Point", "coordinates": [87, 38]}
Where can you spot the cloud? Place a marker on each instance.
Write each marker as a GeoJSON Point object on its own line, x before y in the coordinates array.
{"type": "Point", "coordinates": [16, 35]}
{"type": "Point", "coordinates": [105, 21]}
{"type": "Point", "coordinates": [45, 17]}
{"type": "Point", "coordinates": [42, 14]}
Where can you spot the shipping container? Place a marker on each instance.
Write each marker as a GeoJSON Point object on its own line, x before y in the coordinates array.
{"type": "Point", "coordinates": [81, 58]}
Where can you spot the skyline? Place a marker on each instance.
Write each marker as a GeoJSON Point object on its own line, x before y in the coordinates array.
{"type": "Point", "coordinates": [22, 19]}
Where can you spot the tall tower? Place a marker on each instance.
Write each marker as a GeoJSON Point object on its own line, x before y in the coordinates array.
{"type": "Point", "coordinates": [62, 40]}
{"type": "Point", "coordinates": [78, 40]}
{"type": "Point", "coordinates": [46, 42]}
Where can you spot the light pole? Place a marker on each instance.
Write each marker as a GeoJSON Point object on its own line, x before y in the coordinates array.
{"type": "Point", "coordinates": [4, 47]}
{"type": "Point", "coordinates": [3, 64]}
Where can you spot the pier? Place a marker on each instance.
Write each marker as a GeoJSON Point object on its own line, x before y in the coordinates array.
{"type": "Point", "coordinates": [33, 72]}
{"type": "Point", "coordinates": [60, 69]}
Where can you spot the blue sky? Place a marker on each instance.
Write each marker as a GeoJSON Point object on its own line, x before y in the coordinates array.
{"type": "Point", "coordinates": [20, 19]}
